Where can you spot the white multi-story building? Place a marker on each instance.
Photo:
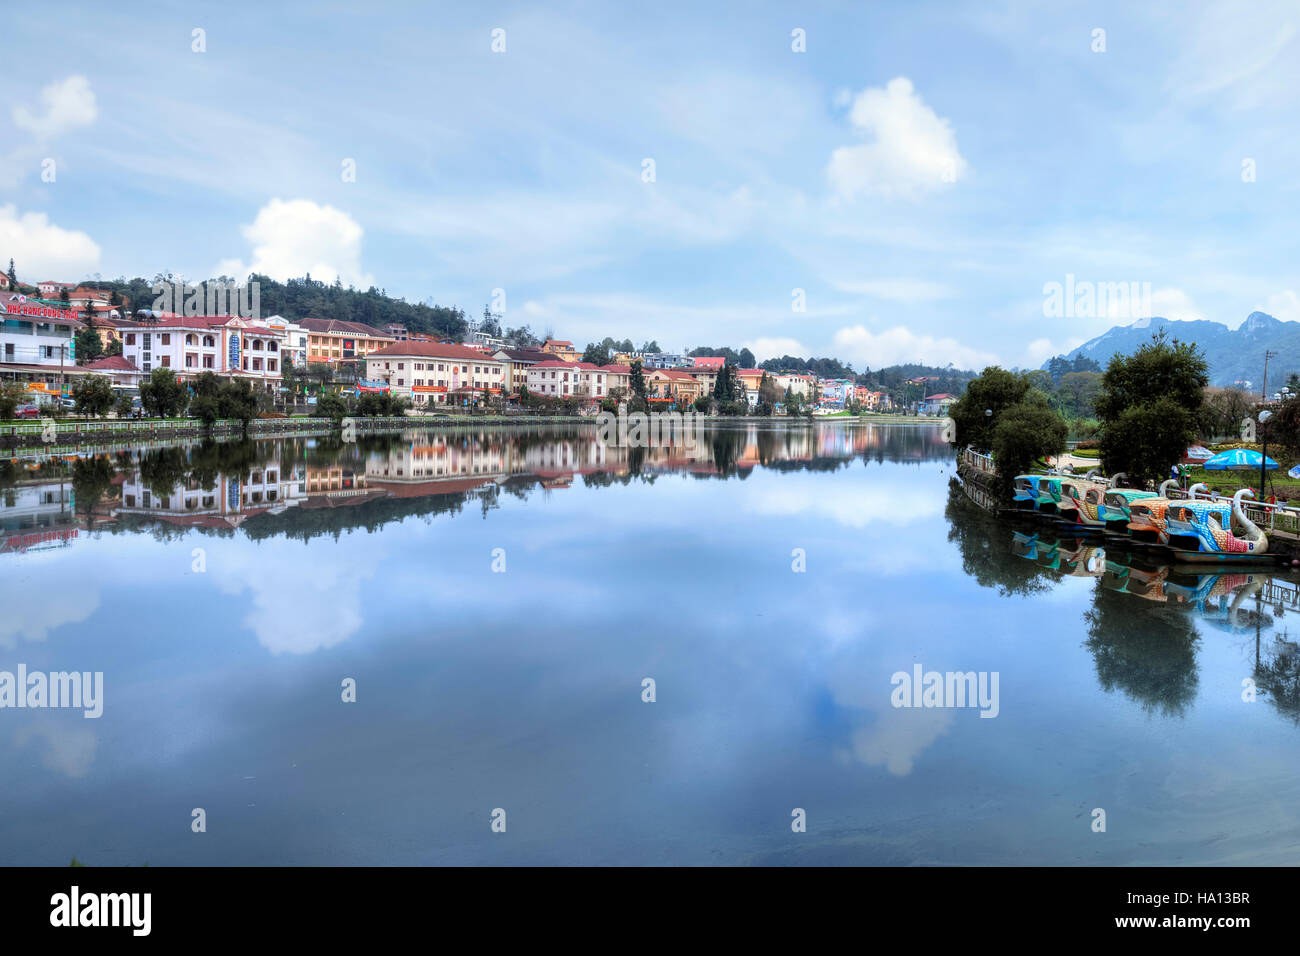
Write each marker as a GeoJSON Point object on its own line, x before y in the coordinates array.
{"type": "Point", "coordinates": [294, 348]}
{"type": "Point", "coordinates": [191, 345]}
{"type": "Point", "coordinates": [430, 373]}
{"type": "Point", "coordinates": [583, 380]}
{"type": "Point", "coordinates": [35, 334]}
{"type": "Point", "coordinates": [798, 383]}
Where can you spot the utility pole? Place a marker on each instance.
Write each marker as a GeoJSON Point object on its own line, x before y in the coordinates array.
{"type": "Point", "coordinates": [1263, 392]}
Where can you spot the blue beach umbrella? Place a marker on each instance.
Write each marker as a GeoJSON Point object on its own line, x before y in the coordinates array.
{"type": "Point", "coordinates": [1239, 459]}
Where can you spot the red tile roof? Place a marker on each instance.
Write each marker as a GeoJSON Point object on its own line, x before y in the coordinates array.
{"type": "Point", "coordinates": [430, 350]}
{"type": "Point", "coordinates": [113, 363]}
{"type": "Point", "coordinates": [340, 327]}
{"type": "Point", "coordinates": [572, 366]}
{"type": "Point", "coordinates": [709, 361]}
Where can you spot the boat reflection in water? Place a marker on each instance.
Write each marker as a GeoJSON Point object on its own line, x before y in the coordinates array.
{"type": "Point", "coordinates": [1069, 556]}
{"type": "Point", "coordinates": [1149, 618]}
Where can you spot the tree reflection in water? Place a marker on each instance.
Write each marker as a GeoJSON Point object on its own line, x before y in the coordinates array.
{"type": "Point", "coordinates": [1147, 616]}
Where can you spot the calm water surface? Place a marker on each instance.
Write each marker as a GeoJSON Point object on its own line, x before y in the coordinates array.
{"type": "Point", "coordinates": [1120, 683]}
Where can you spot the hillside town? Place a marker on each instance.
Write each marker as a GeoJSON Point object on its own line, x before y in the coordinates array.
{"type": "Point", "coordinates": [57, 333]}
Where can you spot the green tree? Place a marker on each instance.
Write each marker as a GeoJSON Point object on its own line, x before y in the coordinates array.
{"type": "Point", "coordinates": [993, 390]}
{"type": "Point", "coordinates": [93, 395]}
{"type": "Point", "coordinates": [114, 347]}
{"type": "Point", "coordinates": [237, 401]}
{"type": "Point", "coordinates": [11, 396]}
{"type": "Point", "coordinates": [381, 405]}
{"type": "Point", "coordinates": [89, 346]}
{"type": "Point", "coordinates": [123, 406]}
{"type": "Point", "coordinates": [1150, 405]}
{"type": "Point", "coordinates": [162, 396]}
{"type": "Point", "coordinates": [13, 276]}
{"type": "Point", "coordinates": [331, 405]}
{"type": "Point", "coordinates": [597, 353]}
{"type": "Point", "coordinates": [637, 380]}
{"type": "Point", "coordinates": [206, 403]}
{"type": "Point", "coordinates": [1024, 433]}
{"type": "Point", "coordinates": [725, 385]}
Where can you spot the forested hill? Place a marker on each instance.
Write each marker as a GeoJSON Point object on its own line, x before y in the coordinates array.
{"type": "Point", "coordinates": [309, 298]}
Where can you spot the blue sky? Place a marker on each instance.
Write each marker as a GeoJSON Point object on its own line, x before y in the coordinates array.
{"type": "Point", "coordinates": [920, 171]}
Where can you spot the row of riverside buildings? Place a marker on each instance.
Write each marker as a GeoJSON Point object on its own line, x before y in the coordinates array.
{"type": "Point", "coordinates": [38, 346]}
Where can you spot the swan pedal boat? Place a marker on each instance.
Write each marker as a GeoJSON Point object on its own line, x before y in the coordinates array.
{"type": "Point", "coordinates": [1045, 493]}
{"type": "Point", "coordinates": [1147, 516]}
{"type": "Point", "coordinates": [1083, 501]}
{"type": "Point", "coordinates": [1201, 530]}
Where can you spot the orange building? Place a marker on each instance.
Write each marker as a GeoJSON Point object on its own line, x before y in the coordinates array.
{"type": "Point", "coordinates": [665, 385]}
{"type": "Point", "coordinates": [334, 341]}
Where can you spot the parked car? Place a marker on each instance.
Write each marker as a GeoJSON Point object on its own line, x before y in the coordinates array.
{"type": "Point", "coordinates": [29, 410]}
{"type": "Point", "coordinates": [67, 403]}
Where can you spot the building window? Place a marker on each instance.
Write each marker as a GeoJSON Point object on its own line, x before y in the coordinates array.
{"type": "Point", "coordinates": [270, 364]}
{"type": "Point", "coordinates": [209, 342]}
{"type": "Point", "coordinates": [190, 360]}
{"type": "Point", "coordinates": [166, 338]}
{"type": "Point", "coordinates": [165, 360]}
{"type": "Point", "coordinates": [272, 347]}
{"type": "Point", "coordinates": [130, 338]}
{"type": "Point", "coordinates": [207, 361]}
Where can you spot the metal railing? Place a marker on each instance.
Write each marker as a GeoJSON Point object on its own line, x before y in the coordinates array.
{"type": "Point", "coordinates": [978, 461]}
{"type": "Point", "coordinates": [1268, 517]}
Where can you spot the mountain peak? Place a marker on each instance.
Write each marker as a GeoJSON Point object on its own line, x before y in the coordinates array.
{"type": "Point", "coordinates": [1233, 355]}
{"type": "Point", "coordinates": [1258, 321]}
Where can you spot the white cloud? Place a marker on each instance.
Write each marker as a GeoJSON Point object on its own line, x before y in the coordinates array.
{"type": "Point", "coordinates": [42, 250]}
{"type": "Point", "coordinates": [1284, 305]}
{"type": "Point", "coordinates": [893, 505]}
{"type": "Point", "coordinates": [1040, 350]}
{"type": "Point", "coordinates": [897, 738]}
{"type": "Point", "coordinates": [912, 150]}
{"type": "Point", "coordinates": [899, 345]}
{"type": "Point", "coordinates": [67, 105]}
{"type": "Point", "coordinates": [766, 348]}
{"type": "Point", "coordinates": [294, 237]}
{"type": "Point", "coordinates": [68, 750]}
{"type": "Point", "coordinates": [1171, 304]}
{"type": "Point", "coordinates": [1244, 59]}
{"type": "Point", "coordinates": [907, 291]}
{"type": "Point", "coordinates": [292, 608]}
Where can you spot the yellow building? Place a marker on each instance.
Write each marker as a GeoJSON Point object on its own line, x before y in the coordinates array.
{"type": "Point", "coordinates": [665, 385]}
{"type": "Point", "coordinates": [561, 350]}
{"type": "Point", "coordinates": [334, 341]}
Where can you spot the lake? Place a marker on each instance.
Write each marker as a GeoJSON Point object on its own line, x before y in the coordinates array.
{"type": "Point", "coordinates": [498, 599]}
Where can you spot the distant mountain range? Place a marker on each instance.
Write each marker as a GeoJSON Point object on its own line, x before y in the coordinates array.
{"type": "Point", "coordinates": [1235, 356]}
